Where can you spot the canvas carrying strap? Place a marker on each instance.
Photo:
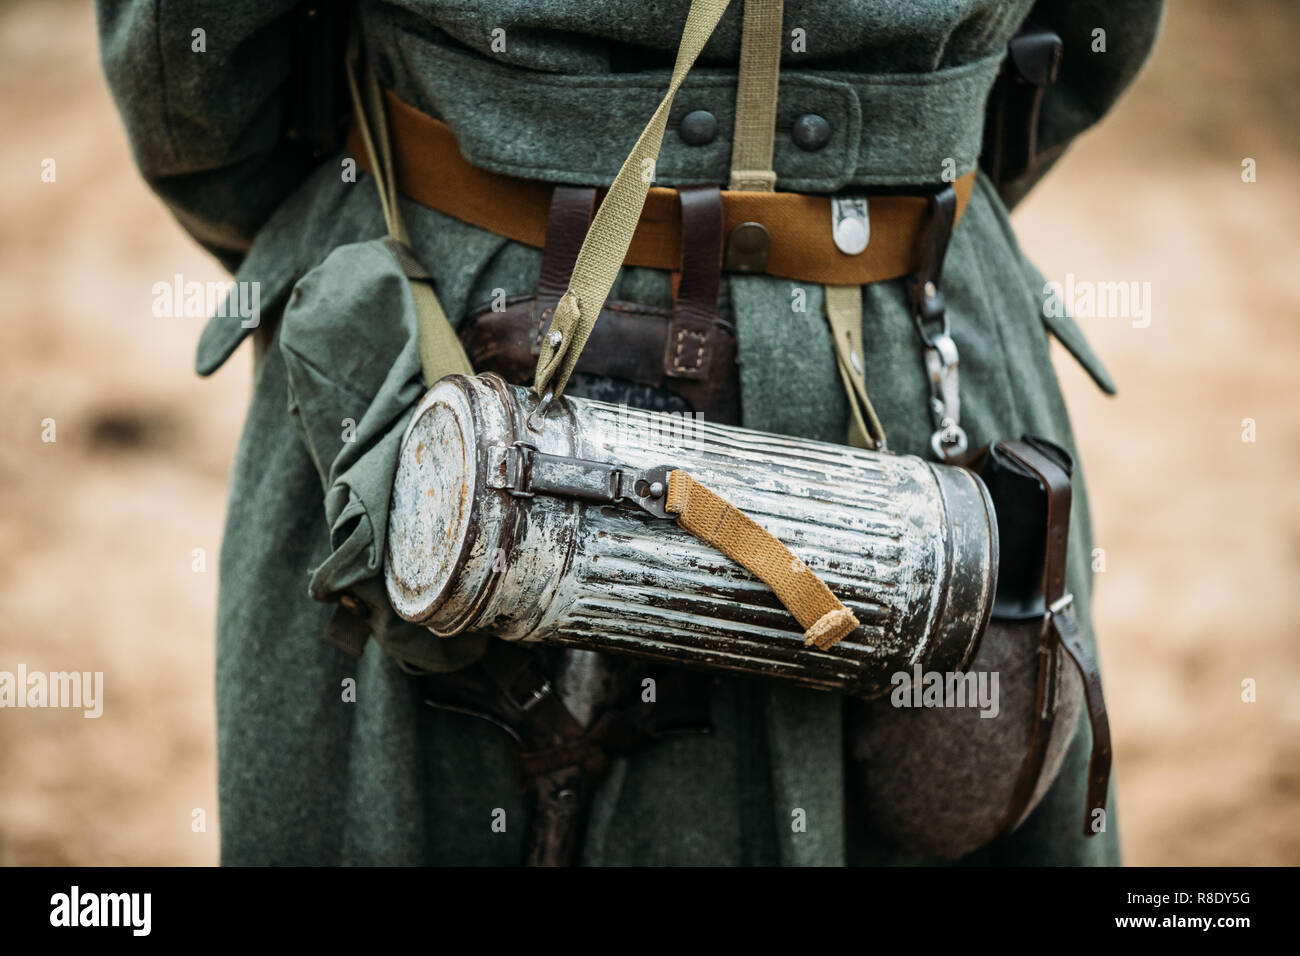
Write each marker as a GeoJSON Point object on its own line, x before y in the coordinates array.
{"type": "Point", "coordinates": [440, 350]}
{"type": "Point", "coordinates": [751, 170]}
{"type": "Point", "coordinates": [719, 524]}
{"type": "Point", "coordinates": [1060, 631]}
{"type": "Point", "coordinates": [610, 235]}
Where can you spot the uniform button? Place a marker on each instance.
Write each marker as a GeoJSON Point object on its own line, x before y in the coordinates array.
{"type": "Point", "coordinates": [811, 132]}
{"type": "Point", "coordinates": [747, 248]}
{"type": "Point", "coordinates": [698, 128]}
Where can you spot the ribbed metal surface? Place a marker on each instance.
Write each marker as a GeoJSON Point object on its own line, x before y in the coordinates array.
{"type": "Point", "coordinates": [851, 517]}
{"type": "Point", "coordinates": [874, 527]}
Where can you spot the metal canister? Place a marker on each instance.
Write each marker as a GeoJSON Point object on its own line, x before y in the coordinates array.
{"type": "Point", "coordinates": [557, 535]}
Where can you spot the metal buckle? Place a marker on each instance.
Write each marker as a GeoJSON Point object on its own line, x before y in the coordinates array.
{"type": "Point", "coordinates": [949, 439]}
{"type": "Point", "coordinates": [519, 469]}
{"type": "Point", "coordinates": [650, 491]}
{"type": "Point", "coordinates": [526, 472]}
{"type": "Point", "coordinates": [1058, 606]}
{"type": "Point", "coordinates": [929, 310]}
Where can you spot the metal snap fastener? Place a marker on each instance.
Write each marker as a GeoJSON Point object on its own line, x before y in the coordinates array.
{"type": "Point", "coordinates": [850, 223]}
{"type": "Point", "coordinates": [851, 236]}
{"type": "Point", "coordinates": [747, 248]}
{"type": "Point", "coordinates": [811, 132]}
{"type": "Point", "coordinates": [698, 127]}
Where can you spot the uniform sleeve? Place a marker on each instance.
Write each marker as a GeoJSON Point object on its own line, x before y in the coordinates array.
{"type": "Point", "coordinates": [206, 92]}
{"type": "Point", "coordinates": [1090, 80]}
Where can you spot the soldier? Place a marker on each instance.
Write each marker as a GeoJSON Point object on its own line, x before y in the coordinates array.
{"type": "Point", "coordinates": [501, 122]}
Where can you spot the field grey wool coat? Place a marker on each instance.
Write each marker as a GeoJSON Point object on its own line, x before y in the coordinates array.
{"type": "Point", "coordinates": [308, 775]}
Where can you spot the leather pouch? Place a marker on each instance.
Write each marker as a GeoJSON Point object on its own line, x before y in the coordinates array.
{"type": "Point", "coordinates": [943, 778]}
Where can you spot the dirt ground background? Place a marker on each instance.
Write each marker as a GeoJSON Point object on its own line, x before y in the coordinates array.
{"type": "Point", "coordinates": [1201, 530]}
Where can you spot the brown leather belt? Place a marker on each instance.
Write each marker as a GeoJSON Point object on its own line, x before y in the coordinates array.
{"type": "Point", "coordinates": [431, 170]}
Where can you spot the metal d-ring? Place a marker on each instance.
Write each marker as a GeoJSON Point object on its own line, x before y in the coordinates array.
{"type": "Point", "coordinates": [537, 414]}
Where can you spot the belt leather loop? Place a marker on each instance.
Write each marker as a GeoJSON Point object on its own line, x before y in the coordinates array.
{"type": "Point", "coordinates": [696, 303]}
{"type": "Point", "coordinates": [566, 226]}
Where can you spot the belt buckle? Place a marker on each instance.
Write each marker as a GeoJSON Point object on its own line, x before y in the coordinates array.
{"type": "Point", "coordinates": [519, 469]}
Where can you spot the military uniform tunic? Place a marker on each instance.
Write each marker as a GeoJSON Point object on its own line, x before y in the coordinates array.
{"type": "Point", "coordinates": [873, 94]}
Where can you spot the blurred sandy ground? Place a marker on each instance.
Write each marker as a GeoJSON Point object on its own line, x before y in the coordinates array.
{"type": "Point", "coordinates": [1201, 531]}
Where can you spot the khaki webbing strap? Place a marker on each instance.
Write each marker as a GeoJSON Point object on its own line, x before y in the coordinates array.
{"type": "Point", "coordinates": [440, 350]}
{"type": "Point", "coordinates": [719, 524]}
{"type": "Point", "coordinates": [611, 231]}
{"type": "Point", "coordinates": [368, 104]}
{"type": "Point", "coordinates": [754, 133]}
{"type": "Point", "coordinates": [844, 313]}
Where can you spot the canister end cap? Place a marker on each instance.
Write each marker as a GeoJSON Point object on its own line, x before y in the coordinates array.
{"type": "Point", "coordinates": [432, 512]}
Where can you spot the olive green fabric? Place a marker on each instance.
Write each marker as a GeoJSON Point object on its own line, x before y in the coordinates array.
{"type": "Point", "coordinates": [307, 775]}
{"type": "Point", "coordinates": [844, 314]}
{"type": "Point", "coordinates": [758, 77]}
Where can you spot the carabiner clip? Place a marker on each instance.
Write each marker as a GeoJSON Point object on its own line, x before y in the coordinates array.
{"type": "Point", "coordinates": [949, 439]}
